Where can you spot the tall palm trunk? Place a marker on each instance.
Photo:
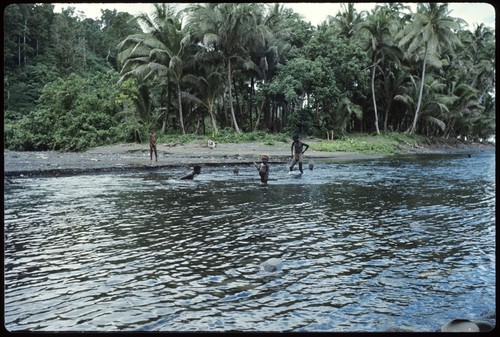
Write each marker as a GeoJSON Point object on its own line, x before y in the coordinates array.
{"type": "Point", "coordinates": [259, 113]}
{"type": "Point", "coordinates": [250, 103]}
{"type": "Point", "coordinates": [165, 114]}
{"type": "Point", "coordinates": [386, 115]}
{"type": "Point", "coordinates": [229, 81]}
{"type": "Point", "coordinates": [181, 117]}
{"type": "Point", "coordinates": [417, 111]}
{"type": "Point", "coordinates": [373, 96]}
{"type": "Point", "coordinates": [212, 117]}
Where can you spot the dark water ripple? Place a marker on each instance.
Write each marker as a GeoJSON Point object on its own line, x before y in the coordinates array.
{"type": "Point", "coordinates": [365, 246]}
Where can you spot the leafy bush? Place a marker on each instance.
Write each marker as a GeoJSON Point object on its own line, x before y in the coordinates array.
{"type": "Point", "coordinates": [404, 138]}
{"type": "Point", "coordinates": [385, 143]}
{"type": "Point", "coordinates": [73, 114]}
{"type": "Point", "coordinates": [176, 138]}
{"type": "Point", "coordinates": [359, 143]}
{"type": "Point", "coordinates": [228, 135]}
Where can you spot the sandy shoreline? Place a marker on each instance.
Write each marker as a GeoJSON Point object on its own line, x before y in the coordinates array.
{"type": "Point", "coordinates": [136, 157]}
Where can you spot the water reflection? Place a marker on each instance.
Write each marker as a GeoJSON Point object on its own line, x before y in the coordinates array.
{"type": "Point", "coordinates": [365, 246]}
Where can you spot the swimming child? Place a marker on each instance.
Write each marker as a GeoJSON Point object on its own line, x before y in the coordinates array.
{"type": "Point", "coordinates": [190, 176]}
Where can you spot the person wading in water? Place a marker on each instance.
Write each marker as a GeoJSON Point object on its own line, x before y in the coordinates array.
{"type": "Point", "coordinates": [263, 168]}
{"type": "Point", "coordinates": [297, 155]}
{"type": "Point", "coordinates": [191, 175]}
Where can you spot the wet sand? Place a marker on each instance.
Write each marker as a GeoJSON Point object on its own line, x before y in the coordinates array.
{"type": "Point", "coordinates": [136, 157]}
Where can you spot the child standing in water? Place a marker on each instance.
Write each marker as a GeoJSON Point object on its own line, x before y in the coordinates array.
{"type": "Point", "coordinates": [297, 154]}
{"type": "Point", "coordinates": [263, 168]}
{"type": "Point", "coordinates": [152, 145]}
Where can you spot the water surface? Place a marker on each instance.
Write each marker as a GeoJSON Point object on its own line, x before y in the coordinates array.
{"type": "Point", "coordinates": [368, 245]}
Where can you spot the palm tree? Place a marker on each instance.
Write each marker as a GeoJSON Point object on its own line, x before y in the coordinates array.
{"type": "Point", "coordinates": [432, 29]}
{"type": "Point", "coordinates": [137, 71]}
{"type": "Point", "coordinates": [479, 51]}
{"type": "Point", "coordinates": [208, 87]}
{"type": "Point", "coordinates": [465, 109]}
{"type": "Point", "coordinates": [226, 28]}
{"type": "Point", "coordinates": [393, 84]}
{"type": "Point", "coordinates": [347, 20]}
{"type": "Point", "coordinates": [378, 30]}
{"type": "Point", "coordinates": [268, 48]}
{"type": "Point", "coordinates": [159, 53]}
{"type": "Point", "coordinates": [434, 104]}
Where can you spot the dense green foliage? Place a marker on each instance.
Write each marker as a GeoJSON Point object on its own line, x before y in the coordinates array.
{"type": "Point", "coordinates": [385, 143]}
{"type": "Point", "coordinates": [249, 71]}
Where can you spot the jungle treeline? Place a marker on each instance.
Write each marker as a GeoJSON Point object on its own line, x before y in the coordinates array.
{"type": "Point", "coordinates": [72, 82]}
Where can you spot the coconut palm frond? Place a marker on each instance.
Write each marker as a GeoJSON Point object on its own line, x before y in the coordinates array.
{"type": "Point", "coordinates": [436, 121]}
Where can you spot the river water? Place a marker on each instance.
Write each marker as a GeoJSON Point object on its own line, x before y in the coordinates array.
{"type": "Point", "coordinates": [370, 245]}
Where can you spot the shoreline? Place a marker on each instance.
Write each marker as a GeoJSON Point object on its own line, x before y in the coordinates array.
{"type": "Point", "coordinates": [135, 157]}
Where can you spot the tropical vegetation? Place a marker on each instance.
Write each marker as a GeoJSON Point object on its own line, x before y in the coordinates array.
{"type": "Point", "coordinates": [213, 69]}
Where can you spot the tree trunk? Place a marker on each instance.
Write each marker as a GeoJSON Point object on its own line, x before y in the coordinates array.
{"type": "Point", "coordinates": [259, 114]}
{"type": "Point", "coordinates": [250, 103]}
{"type": "Point", "coordinates": [181, 117]}
{"type": "Point", "coordinates": [223, 112]}
{"type": "Point", "coordinates": [386, 115]}
{"type": "Point", "coordinates": [24, 38]}
{"type": "Point", "coordinates": [212, 118]}
{"type": "Point", "coordinates": [167, 106]}
{"type": "Point", "coordinates": [238, 109]}
{"type": "Point", "coordinates": [19, 51]}
{"type": "Point", "coordinates": [417, 111]}
{"type": "Point", "coordinates": [229, 81]}
{"type": "Point", "coordinates": [164, 124]}
{"type": "Point", "coordinates": [373, 97]}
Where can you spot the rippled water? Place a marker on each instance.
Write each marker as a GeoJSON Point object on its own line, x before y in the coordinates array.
{"type": "Point", "coordinates": [365, 246]}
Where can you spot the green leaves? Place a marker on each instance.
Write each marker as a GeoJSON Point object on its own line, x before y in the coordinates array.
{"type": "Point", "coordinates": [73, 114]}
{"type": "Point", "coordinates": [253, 64]}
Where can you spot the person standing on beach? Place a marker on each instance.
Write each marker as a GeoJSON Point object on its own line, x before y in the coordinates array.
{"type": "Point", "coordinates": [263, 168]}
{"type": "Point", "coordinates": [152, 145]}
{"type": "Point", "coordinates": [298, 145]}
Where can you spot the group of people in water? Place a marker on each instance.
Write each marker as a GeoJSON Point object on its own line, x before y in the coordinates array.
{"type": "Point", "coordinates": [298, 148]}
